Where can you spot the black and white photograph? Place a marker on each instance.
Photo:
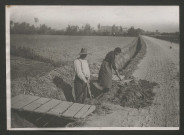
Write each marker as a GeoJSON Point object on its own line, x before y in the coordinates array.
{"type": "Point", "coordinates": [87, 67]}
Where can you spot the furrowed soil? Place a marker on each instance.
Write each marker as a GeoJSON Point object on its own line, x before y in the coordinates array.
{"type": "Point", "coordinates": [66, 48]}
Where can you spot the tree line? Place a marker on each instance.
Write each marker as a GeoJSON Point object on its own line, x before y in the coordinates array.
{"type": "Point", "coordinates": [87, 29]}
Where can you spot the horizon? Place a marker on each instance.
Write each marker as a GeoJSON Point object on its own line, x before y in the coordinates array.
{"type": "Point", "coordinates": [148, 18]}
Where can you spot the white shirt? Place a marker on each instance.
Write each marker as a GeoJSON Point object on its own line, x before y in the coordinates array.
{"type": "Point", "coordinates": [81, 68]}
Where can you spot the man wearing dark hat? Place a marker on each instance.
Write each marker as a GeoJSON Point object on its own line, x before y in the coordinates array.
{"type": "Point", "coordinates": [105, 73]}
{"type": "Point", "coordinates": [82, 76]}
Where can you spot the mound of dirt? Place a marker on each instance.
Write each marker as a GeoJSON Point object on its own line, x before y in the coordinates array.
{"type": "Point", "coordinates": [135, 95]}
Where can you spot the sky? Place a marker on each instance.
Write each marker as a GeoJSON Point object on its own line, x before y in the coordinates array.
{"type": "Point", "coordinates": [148, 18]}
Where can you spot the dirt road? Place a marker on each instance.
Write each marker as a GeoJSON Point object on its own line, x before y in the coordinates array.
{"type": "Point", "coordinates": [160, 65]}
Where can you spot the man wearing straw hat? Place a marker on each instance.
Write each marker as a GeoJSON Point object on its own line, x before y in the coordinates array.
{"type": "Point", "coordinates": [82, 76]}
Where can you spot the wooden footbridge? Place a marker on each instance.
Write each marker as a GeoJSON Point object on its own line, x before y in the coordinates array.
{"type": "Point", "coordinates": [51, 106]}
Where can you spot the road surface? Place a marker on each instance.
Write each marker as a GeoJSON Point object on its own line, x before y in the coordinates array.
{"type": "Point", "coordinates": [160, 65]}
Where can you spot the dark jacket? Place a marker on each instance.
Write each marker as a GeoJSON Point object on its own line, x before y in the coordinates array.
{"type": "Point", "coordinates": [110, 58]}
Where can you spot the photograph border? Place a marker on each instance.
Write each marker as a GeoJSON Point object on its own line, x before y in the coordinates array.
{"type": "Point", "coordinates": [8, 94]}
{"type": "Point", "coordinates": [7, 48]}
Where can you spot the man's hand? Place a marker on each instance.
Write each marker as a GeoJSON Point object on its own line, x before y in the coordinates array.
{"type": "Point", "coordinates": [86, 81]}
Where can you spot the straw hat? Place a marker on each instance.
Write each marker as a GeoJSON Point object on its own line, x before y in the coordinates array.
{"type": "Point", "coordinates": [83, 51]}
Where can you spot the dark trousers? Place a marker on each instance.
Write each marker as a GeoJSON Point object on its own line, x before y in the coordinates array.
{"type": "Point", "coordinates": [80, 89]}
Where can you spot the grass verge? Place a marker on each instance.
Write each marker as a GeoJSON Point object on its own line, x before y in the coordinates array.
{"type": "Point", "coordinates": [29, 53]}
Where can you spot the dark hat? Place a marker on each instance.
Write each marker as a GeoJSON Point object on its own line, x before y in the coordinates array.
{"type": "Point", "coordinates": [83, 51]}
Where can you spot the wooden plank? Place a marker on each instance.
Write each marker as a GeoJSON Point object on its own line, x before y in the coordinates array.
{"type": "Point", "coordinates": [82, 111]}
{"type": "Point", "coordinates": [17, 98]}
{"type": "Point", "coordinates": [90, 110]}
{"type": "Point", "coordinates": [74, 109]}
{"type": "Point", "coordinates": [35, 104]}
{"type": "Point", "coordinates": [47, 106]}
{"type": "Point", "coordinates": [25, 101]}
{"type": "Point", "coordinates": [59, 109]}
{"type": "Point", "coordinates": [52, 106]}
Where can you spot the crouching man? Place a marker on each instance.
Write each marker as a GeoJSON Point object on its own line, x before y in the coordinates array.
{"type": "Point", "coordinates": [82, 76]}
